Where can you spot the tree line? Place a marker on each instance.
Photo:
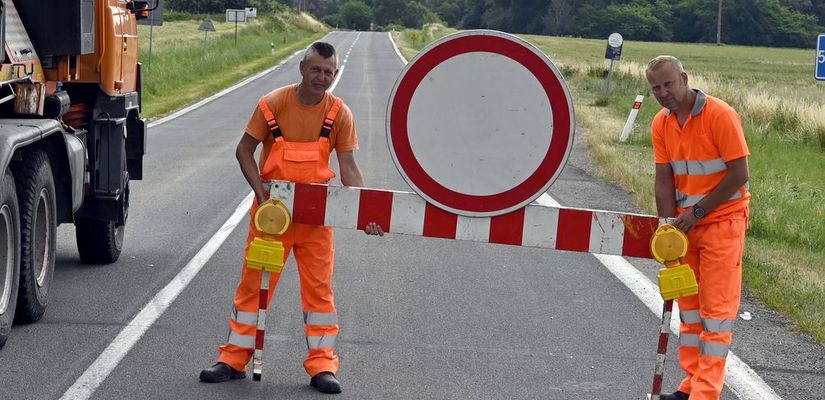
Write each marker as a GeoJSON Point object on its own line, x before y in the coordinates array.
{"type": "Point", "coordinates": [779, 23]}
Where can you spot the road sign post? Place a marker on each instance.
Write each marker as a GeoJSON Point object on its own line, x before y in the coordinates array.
{"type": "Point", "coordinates": [206, 26]}
{"type": "Point", "coordinates": [819, 69]}
{"type": "Point", "coordinates": [613, 52]}
{"type": "Point", "coordinates": [236, 16]}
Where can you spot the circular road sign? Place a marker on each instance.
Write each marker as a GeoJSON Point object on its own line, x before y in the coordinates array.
{"type": "Point", "coordinates": [480, 123]}
{"type": "Point", "coordinates": [615, 40]}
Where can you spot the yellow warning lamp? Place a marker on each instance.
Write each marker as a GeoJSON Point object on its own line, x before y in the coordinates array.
{"type": "Point", "coordinates": [668, 245]}
{"type": "Point", "coordinates": [267, 252]}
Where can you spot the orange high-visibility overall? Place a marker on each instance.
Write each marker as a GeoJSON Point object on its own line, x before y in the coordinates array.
{"type": "Point", "coordinates": [697, 153]}
{"type": "Point", "coordinates": [305, 162]}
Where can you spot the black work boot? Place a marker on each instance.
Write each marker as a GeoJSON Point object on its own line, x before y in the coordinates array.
{"type": "Point", "coordinates": [221, 372]}
{"type": "Point", "coordinates": [677, 395]}
{"type": "Point", "coordinates": [325, 382]}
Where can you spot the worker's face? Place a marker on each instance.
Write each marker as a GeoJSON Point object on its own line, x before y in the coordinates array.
{"type": "Point", "coordinates": [318, 72]}
{"type": "Point", "coordinates": [669, 86]}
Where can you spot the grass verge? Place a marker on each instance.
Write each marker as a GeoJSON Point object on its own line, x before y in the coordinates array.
{"type": "Point", "coordinates": [783, 114]}
{"type": "Point", "coordinates": [187, 65]}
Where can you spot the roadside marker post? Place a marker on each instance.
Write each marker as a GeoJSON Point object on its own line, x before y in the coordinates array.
{"type": "Point", "coordinates": [819, 65]}
{"type": "Point", "coordinates": [628, 126]}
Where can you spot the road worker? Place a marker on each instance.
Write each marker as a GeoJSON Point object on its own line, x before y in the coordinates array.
{"type": "Point", "coordinates": [287, 121]}
{"type": "Point", "coordinates": [702, 179]}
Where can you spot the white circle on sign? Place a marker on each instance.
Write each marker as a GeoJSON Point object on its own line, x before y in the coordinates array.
{"type": "Point", "coordinates": [614, 40]}
{"type": "Point", "coordinates": [460, 144]}
{"type": "Point", "coordinates": [480, 123]}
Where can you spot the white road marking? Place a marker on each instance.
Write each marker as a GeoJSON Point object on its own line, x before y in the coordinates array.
{"type": "Point", "coordinates": [106, 362]}
{"type": "Point", "coordinates": [740, 378]}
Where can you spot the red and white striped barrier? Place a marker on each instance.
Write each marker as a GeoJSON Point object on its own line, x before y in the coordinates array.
{"type": "Point", "coordinates": [661, 351]}
{"type": "Point", "coordinates": [560, 228]}
{"type": "Point", "coordinates": [260, 332]}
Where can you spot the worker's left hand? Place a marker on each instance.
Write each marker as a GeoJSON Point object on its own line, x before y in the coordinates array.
{"type": "Point", "coordinates": [373, 229]}
{"type": "Point", "coordinates": [686, 221]}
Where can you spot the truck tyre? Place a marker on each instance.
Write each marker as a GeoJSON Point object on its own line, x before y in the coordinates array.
{"type": "Point", "coordinates": [9, 254]}
{"type": "Point", "coordinates": [99, 241]}
{"type": "Point", "coordinates": [38, 234]}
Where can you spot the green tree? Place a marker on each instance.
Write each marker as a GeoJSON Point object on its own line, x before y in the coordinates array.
{"type": "Point", "coordinates": [355, 14]}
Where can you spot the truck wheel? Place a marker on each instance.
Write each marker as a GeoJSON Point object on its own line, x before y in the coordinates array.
{"type": "Point", "coordinates": [9, 254]}
{"type": "Point", "coordinates": [99, 241]}
{"type": "Point", "coordinates": [38, 234]}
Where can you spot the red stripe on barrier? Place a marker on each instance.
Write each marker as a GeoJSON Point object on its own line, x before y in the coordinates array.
{"type": "Point", "coordinates": [637, 105]}
{"type": "Point", "coordinates": [507, 228]}
{"type": "Point", "coordinates": [259, 339]}
{"type": "Point", "coordinates": [637, 233]}
{"type": "Point", "coordinates": [657, 385]}
{"type": "Point", "coordinates": [310, 205]}
{"type": "Point", "coordinates": [574, 230]}
{"type": "Point", "coordinates": [439, 223]}
{"type": "Point", "coordinates": [262, 299]}
{"type": "Point", "coordinates": [375, 206]}
{"type": "Point", "coordinates": [662, 349]}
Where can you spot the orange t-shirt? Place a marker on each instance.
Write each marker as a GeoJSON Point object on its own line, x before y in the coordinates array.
{"type": "Point", "coordinates": [302, 123]}
{"type": "Point", "coordinates": [711, 136]}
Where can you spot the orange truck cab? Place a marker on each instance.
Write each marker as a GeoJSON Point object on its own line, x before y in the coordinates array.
{"type": "Point", "coordinates": [71, 138]}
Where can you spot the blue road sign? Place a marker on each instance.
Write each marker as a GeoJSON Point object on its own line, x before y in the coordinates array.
{"type": "Point", "coordinates": [819, 71]}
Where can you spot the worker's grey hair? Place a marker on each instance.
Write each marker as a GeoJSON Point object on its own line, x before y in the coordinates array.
{"type": "Point", "coordinates": [322, 49]}
{"type": "Point", "coordinates": [659, 61]}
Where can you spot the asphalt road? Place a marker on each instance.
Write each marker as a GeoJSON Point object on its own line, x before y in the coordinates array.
{"type": "Point", "coordinates": [420, 318]}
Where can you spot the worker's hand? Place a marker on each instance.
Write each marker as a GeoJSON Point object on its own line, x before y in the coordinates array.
{"type": "Point", "coordinates": [686, 221]}
{"type": "Point", "coordinates": [373, 229]}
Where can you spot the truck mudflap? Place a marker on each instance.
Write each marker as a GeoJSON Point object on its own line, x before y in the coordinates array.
{"type": "Point", "coordinates": [135, 147]}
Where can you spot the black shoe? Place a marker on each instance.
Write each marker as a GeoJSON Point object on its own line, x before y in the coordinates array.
{"type": "Point", "coordinates": [221, 372]}
{"type": "Point", "coordinates": [677, 395]}
{"type": "Point", "coordinates": [325, 382]}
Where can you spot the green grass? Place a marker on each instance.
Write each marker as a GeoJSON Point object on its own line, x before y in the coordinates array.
{"type": "Point", "coordinates": [783, 111]}
{"type": "Point", "coordinates": [184, 68]}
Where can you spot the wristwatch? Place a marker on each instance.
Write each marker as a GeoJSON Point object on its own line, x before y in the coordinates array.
{"type": "Point", "coordinates": [699, 212]}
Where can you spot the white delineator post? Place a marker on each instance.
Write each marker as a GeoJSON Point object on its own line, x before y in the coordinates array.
{"type": "Point", "coordinates": [628, 126]}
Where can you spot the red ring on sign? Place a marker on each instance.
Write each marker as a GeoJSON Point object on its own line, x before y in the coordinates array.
{"type": "Point", "coordinates": [517, 195]}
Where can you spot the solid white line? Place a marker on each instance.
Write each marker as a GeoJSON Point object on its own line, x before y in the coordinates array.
{"type": "Point", "coordinates": [743, 381]}
{"type": "Point", "coordinates": [85, 386]}
{"type": "Point", "coordinates": [547, 201]}
{"type": "Point", "coordinates": [403, 60]}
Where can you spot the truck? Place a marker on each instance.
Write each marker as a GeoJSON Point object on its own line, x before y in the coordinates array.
{"type": "Point", "coordinates": [71, 139]}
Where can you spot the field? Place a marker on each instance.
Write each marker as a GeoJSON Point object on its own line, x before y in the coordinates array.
{"type": "Point", "coordinates": [783, 110]}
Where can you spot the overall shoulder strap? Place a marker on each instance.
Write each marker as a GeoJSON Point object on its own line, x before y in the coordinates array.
{"type": "Point", "coordinates": [274, 128]}
{"type": "Point", "coordinates": [329, 120]}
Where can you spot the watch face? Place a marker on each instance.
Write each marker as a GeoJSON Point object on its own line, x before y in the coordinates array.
{"type": "Point", "coordinates": [698, 212]}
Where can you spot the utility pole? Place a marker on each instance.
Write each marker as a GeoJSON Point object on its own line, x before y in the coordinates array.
{"type": "Point", "coordinates": [719, 25]}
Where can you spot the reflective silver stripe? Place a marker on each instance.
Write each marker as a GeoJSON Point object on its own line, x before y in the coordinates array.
{"type": "Point", "coordinates": [241, 340]}
{"type": "Point", "coordinates": [321, 342]}
{"type": "Point", "coordinates": [242, 317]}
{"type": "Point", "coordinates": [694, 167]}
{"type": "Point", "coordinates": [319, 318]}
{"type": "Point", "coordinates": [683, 200]}
{"type": "Point", "coordinates": [690, 316]}
{"type": "Point", "coordinates": [689, 340]}
{"type": "Point", "coordinates": [717, 325]}
{"type": "Point", "coordinates": [713, 349]}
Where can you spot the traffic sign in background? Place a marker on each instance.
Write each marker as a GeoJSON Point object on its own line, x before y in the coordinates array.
{"type": "Point", "coordinates": [819, 70]}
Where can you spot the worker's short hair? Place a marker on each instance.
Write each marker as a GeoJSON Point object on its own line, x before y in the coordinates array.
{"type": "Point", "coordinates": [323, 49]}
{"type": "Point", "coordinates": [658, 61]}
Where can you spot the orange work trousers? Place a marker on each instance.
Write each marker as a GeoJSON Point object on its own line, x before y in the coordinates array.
{"type": "Point", "coordinates": [715, 255]}
{"type": "Point", "coordinates": [314, 253]}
